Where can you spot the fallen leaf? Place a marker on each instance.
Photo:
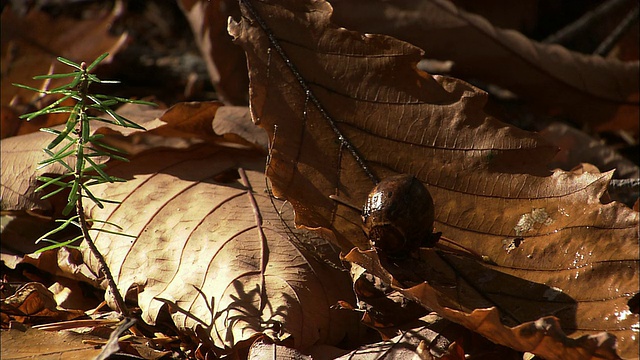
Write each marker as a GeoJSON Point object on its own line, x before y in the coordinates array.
{"type": "Point", "coordinates": [550, 76]}
{"type": "Point", "coordinates": [30, 45]}
{"type": "Point", "coordinates": [344, 110]}
{"type": "Point", "coordinates": [212, 250]}
{"type": "Point", "coordinates": [234, 123]}
{"type": "Point", "coordinates": [514, 301]}
{"type": "Point", "coordinates": [34, 303]}
{"type": "Point", "coordinates": [21, 155]}
{"type": "Point", "coordinates": [213, 122]}
{"type": "Point", "coordinates": [577, 147]}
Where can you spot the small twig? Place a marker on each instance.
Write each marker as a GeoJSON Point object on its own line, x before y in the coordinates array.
{"type": "Point", "coordinates": [607, 44]}
{"type": "Point", "coordinates": [103, 264]}
{"type": "Point", "coordinates": [585, 21]}
{"type": "Point", "coordinates": [264, 247]}
{"type": "Point", "coordinates": [626, 191]}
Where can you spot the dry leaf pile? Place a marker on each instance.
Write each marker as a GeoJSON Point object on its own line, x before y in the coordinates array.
{"type": "Point", "coordinates": [244, 240]}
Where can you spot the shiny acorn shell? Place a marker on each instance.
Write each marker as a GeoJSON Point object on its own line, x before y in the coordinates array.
{"type": "Point", "coordinates": [398, 215]}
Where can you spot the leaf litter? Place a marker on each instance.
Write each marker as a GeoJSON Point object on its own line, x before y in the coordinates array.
{"type": "Point", "coordinates": [452, 280]}
{"type": "Point", "coordinates": [400, 120]}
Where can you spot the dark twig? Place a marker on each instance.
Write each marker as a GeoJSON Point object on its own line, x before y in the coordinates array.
{"type": "Point", "coordinates": [585, 21]}
{"type": "Point", "coordinates": [626, 191]}
{"type": "Point", "coordinates": [103, 264]}
{"type": "Point", "coordinates": [607, 44]}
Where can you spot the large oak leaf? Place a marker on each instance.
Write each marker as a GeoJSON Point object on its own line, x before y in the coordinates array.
{"type": "Point", "coordinates": [345, 109]}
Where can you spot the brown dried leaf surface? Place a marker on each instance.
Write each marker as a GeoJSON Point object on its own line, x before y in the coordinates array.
{"type": "Point", "coordinates": [494, 301]}
{"type": "Point", "coordinates": [211, 247]}
{"type": "Point", "coordinates": [33, 303]}
{"type": "Point", "coordinates": [213, 122]}
{"type": "Point", "coordinates": [30, 45]}
{"type": "Point", "coordinates": [549, 76]}
{"type": "Point", "coordinates": [489, 181]}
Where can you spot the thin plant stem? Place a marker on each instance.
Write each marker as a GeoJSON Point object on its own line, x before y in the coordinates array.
{"type": "Point", "coordinates": [84, 226]}
{"type": "Point", "coordinates": [104, 268]}
{"type": "Point", "coordinates": [76, 140]}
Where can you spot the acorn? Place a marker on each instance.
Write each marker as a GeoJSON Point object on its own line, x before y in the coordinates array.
{"type": "Point", "coordinates": [398, 216]}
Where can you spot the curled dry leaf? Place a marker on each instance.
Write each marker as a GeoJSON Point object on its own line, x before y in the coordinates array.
{"type": "Point", "coordinates": [30, 45]}
{"type": "Point", "coordinates": [213, 122]}
{"type": "Point", "coordinates": [590, 89]}
{"type": "Point", "coordinates": [34, 303]}
{"type": "Point", "coordinates": [211, 248]}
{"type": "Point", "coordinates": [333, 100]}
{"type": "Point", "coordinates": [577, 147]}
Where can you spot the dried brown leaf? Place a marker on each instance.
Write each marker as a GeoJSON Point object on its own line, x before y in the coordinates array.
{"type": "Point", "coordinates": [577, 147]}
{"type": "Point", "coordinates": [30, 45]}
{"type": "Point", "coordinates": [213, 122]}
{"type": "Point", "coordinates": [550, 76]}
{"type": "Point", "coordinates": [34, 303]}
{"type": "Point", "coordinates": [211, 248]}
{"type": "Point", "coordinates": [489, 181]}
{"type": "Point", "coordinates": [21, 155]}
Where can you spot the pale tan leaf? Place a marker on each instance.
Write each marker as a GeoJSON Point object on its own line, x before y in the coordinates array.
{"type": "Point", "coordinates": [208, 235]}
{"type": "Point", "coordinates": [21, 155]}
{"type": "Point", "coordinates": [234, 123]}
{"type": "Point", "coordinates": [213, 122]}
{"type": "Point", "coordinates": [326, 94]}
